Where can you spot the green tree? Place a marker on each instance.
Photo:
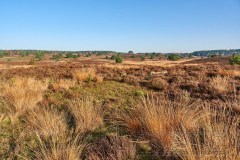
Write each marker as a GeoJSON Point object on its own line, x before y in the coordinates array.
{"type": "Point", "coordinates": [173, 57]}
{"type": "Point", "coordinates": [69, 55]}
{"type": "Point", "coordinates": [118, 59]}
{"type": "Point", "coordinates": [152, 56]}
{"type": "Point", "coordinates": [235, 60]}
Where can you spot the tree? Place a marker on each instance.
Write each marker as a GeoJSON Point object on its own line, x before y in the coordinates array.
{"type": "Point", "coordinates": [113, 57]}
{"type": "Point", "coordinates": [130, 52]}
{"type": "Point", "coordinates": [152, 56]}
{"type": "Point", "coordinates": [173, 57]}
{"type": "Point", "coordinates": [118, 59]}
{"type": "Point", "coordinates": [69, 55]}
{"type": "Point", "coordinates": [235, 60]}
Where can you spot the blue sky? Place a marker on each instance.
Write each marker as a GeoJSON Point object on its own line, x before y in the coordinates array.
{"type": "Point", "coordinates": [120, 25]}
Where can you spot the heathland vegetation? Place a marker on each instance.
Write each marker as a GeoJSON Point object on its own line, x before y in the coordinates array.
{"type": "Point", "coordinates": [111, 106]}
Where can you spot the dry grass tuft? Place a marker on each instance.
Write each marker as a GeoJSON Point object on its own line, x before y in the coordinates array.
{"type": "Point", "coordinates": [22, 93]}
{"type": "Point", "coordinates": [157, 120]}
{"type": "Point", "coordinates": [86, 75]}
{"type": "Point", "coordinates": [112, 148]}
{"type": "Point", "coordinates": [219, 85]}
{"type": "Point", "coordinates": [87, 116]}
{"type": "Point", "coordinates": [63, 84]}
{"type": "Point", "coordinates": [228, 73]}
{"type": "Point", "coordinates": [47, 123]}
{"type": "Point", "coordinates": [55, 150]}
{"type": "Point", "coordinates": [217, 138]}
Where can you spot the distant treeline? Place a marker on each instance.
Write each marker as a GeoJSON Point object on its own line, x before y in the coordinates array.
{"type": "Point", "coordinates": [28, 52]}
{"type": "Point", "coordinates": [206, 53]}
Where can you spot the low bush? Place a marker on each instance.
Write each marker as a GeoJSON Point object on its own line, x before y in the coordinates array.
{"type": "Point", "coordinates": [118, 59]}
{"type": "Point", "coordinates": [173, 57]}
{"type": "Point", "coordinates": [235, 60]}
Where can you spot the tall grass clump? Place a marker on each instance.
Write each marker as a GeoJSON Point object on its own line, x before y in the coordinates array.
{"type": "Point", "coordinates": [22, 93]}
{"type": "Point", "coordinates": [47, 123]}
{"type": "Point", "coordinates": [87, 75]}
{"type": "Point", "coordinates": [86, 114]}
{"type": "Point", "coordinates": [217, 138]}
{"type": "Point", "coordinates": [57, 150]}
{"type": "Point", "coordinates": [158, 120]}
{"type": "Point", "coordinates": [63, 84]}
{"type": "Point", "coordinates": [219, 85]}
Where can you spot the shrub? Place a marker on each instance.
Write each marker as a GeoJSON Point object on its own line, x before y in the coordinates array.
{"type": "Point", "coordinates": [39, 55]}
{"type": "Point", "coordinates": [113, 57]}
{"type": "Point", "coordinates": [69, 55]}
{"type": "Point", "coordinates": [57, 57]}
{"type": "Point", "coordinates": [152, 56]}
{"type": "Point", "coordinates": [32, 61]}
{"type": "Point", "coordinates": [173, 57]}
{"type": "Point", "coordinates": [143, 57]}
{"type": "Point", "coordinates": [235, 60]}
{"type": "Point", "coordinates": [118, 59]}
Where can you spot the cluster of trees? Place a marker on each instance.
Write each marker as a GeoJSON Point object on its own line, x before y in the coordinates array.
{"type": "Point", "coordinates": [211, 53]}
{"type": "Point", "coordinates": [116, 57]}
{"type": "Point", "coordinates": [3, 53]}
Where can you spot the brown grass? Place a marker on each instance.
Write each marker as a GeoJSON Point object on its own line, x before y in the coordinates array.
{"type": "Point", "coordinates": [64, 84]}
{"type": "Point", "coordinates": [217, 138]}
{"type": "Point", "coordinates": [87, 115]}
{"type": "Point", "coordinates": [228, 73]}
{"type": "Point", "coordinates": [220, 85]}
{"type": "Point", "coordinates": [56, 150]}
{"type": "Point", "coordinates": [157, 119]}
{"type": "Point", "coordinates": [22, 93]}
{"type": "Point", "coordinates": [47, 123]}
{"type": "Point", "coordinates": [112, 148]}
{"type": "Point", "coordinates": [86, 75]}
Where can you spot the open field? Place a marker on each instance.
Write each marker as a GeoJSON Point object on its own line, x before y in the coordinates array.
{"type": "Point", "coordinates": [95, 109]}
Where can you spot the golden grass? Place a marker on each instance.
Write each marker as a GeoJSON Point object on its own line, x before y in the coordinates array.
{"type": "Point", "coordinates": [217, 138]}
{"type": "Point", "coordinates": [22, 94]}
{"type": "Point", "coordinates": [47, 123]}
{"type": "Point", "coordinates": [64, 84]}
{"type": "Point", "coordinates": [158, 119]}
{"type": "Point", "coordinates": [56, 150]}
{"type": "Point", "coordinates": [190, 132]}
{"type": "Point", "coordinates": [228, 73]}
{"type": "Point", "coordinates": [86, 75]}
{"type": "Point", "coordinates": [87, 115]}
{"type": "Point", "coordinates": [219, 85]}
